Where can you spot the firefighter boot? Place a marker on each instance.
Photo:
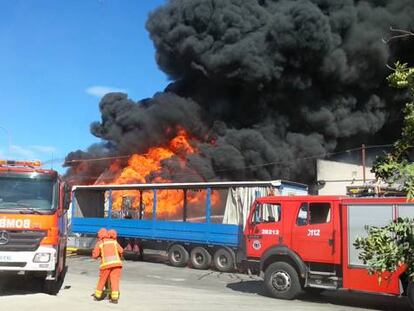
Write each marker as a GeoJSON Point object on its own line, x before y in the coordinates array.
{"type": "Point", "coordinates": [98, 295]}
{"type": "Point", "coordinates": [114, 297]}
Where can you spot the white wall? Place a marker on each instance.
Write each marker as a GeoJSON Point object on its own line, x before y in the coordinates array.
{"type": "Point", "coordinates": [337, 176]}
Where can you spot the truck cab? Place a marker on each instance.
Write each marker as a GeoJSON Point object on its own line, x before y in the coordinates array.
{"type": "Point", "coordinates": [306, 243]}
{"type": "Point", "coordinates": [33, 222]}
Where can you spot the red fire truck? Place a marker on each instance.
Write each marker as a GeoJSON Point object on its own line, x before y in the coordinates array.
{"type": "Point", "coordinates": [33, 222]}
{"type": "Point", "coordinates": [306, 243]}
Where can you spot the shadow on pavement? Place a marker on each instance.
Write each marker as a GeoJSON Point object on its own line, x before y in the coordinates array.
{"type": "Point", "coordinates": [154, 257]}
{"type": "Point", "coordinates": [148, 255]}
{"type": "Point", "coordinates": [250, 287]}
{"type": "Point", "coordinates": [19, 285]}
{"type": "Point", "coordinates": [340, 298]}
{"type": "Point", "coordinates": [12, 284]}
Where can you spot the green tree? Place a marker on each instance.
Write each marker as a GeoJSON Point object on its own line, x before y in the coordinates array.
{"type": "Point", "coordinates": [387, 248]}
{"type": "Point", "coordinates": [397, 167]}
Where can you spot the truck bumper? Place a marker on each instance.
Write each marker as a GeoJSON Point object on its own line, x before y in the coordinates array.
{"type": "Point", "coordinates": [43, 259]}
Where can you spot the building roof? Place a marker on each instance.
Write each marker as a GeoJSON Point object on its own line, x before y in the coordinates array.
{"type": "Point", "coordinates": [197, 185]}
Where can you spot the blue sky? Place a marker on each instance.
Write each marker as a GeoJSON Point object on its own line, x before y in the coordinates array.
{"type": "Point", "coordinates": [57, 58]}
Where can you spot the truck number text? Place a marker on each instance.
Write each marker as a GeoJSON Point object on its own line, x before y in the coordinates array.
{"type": "Point", "coordinates": [314, 232]}
{"type": "Point", "coordinates": [14, 223]}
{"type": "Point", "coordinates": [270, 231]}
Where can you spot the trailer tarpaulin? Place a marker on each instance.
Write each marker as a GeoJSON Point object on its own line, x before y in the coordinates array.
{"type": "Point", "coordinates": [239, 201]}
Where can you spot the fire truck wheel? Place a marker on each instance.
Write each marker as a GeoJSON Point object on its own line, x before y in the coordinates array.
{"type": "Point", "coordinates": [282, 281]}
{"type": "Point", "coordinates": [178, 256]}
{"type": "Point", "coordinates": [51, 287]}
{"type": "Point", "coordinates": [200, 258]}
{"type": "Point", "coordinates": [224, 260]}
{"type": "Point", "coordinates": [410, 294]}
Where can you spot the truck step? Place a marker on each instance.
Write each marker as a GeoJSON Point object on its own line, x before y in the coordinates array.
{"type": "Point", "coordinates": [324, 281]}
{"type": "Point", "coordinates": [331, 278]}
{"type": "Point", "coordinates": [322, 286]}
{"type": "Point", "coordinates": [324, 273]}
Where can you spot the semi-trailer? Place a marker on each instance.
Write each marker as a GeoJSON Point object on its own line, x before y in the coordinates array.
{"type": "Point", "coordinates": [195, 223]}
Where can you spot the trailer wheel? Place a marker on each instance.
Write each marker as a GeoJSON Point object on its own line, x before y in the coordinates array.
{"type": "Point", "coordinates": [178, 256]}
{"type": "Point", "coordinates": [224, 260]}
{"type": "Point", "coordinates": [200, 258]}
{"type": "Point", "coordinates": [282, 281]}
{"type": "Point", "coordinates": [410, 294]}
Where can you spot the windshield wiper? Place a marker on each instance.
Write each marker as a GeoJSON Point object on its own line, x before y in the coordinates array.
{"type": "Point", "coordinates": [30, 210]}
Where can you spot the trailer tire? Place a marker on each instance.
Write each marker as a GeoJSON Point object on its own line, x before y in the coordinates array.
{"type": "Point", "coordinates": [410, 294]}
{"type": "Point", "coordinates": [224, 260]}
{"type": "Point", "coordinates": [282, 281]}
{"type": "Point", "coordinates": [178, 256]}
{"type": "Point", "coordinates": [200, 258]}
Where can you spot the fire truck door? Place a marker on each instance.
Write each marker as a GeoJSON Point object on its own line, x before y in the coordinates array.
{"type": "Point", "coordinates": [264, 229]}
{"type": "Point", "coordinates": [314, 234]}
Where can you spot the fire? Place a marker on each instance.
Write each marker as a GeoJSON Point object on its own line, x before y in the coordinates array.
{"type": "Point", "coordinates": [141, 166]}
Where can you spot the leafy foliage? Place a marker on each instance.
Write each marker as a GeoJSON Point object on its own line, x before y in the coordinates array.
{"type": "Point", "coordinates": [397, 167]}
{"type": "Point", "coordinates": [389, 247]}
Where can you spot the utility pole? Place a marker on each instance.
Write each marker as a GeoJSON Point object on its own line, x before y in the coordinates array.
{"type": "Point", "coordinates": [363, 162]}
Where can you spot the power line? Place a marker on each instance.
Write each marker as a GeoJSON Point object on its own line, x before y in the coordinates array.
{"type": "Point", "coordinates": [253, 166]}
{"type": "Point", "coordinates": [314, 157]}
{"type": "Point", "coordinates": [101, 159]}
{"type": "Point", "coordinates": [328, 154]}
{"type": "Point", "coordinates": [378, 146]}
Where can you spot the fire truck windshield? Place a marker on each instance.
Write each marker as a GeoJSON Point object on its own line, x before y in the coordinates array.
{"type": "Point", "coordinates": [27, 194]}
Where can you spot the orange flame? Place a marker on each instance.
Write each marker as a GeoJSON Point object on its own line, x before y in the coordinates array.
{"type": "Point", "coordinates": [141, 166]}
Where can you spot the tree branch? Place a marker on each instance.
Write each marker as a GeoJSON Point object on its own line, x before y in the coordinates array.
{"type": "Point", "coordinates": [401, 33]}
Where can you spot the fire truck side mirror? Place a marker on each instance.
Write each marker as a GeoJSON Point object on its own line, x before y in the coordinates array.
{"type": "Point", "coordinates": [66, 197]}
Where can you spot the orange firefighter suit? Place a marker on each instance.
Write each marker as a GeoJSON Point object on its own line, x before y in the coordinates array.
{"type": "Point", "coordinates": [110, 252]}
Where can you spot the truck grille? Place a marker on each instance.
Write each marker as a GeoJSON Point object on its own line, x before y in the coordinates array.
{"type": "Point", "coordinates": [21, 241]}
{"type": "Point", "coordinates": [13, 264]}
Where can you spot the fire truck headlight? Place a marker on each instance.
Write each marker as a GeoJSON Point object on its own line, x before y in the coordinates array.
{"type": "Point", "coordinates": [41, 257]}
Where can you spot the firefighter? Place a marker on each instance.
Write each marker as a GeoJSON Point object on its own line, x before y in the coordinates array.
{"type": "Point", "coordinates": [103, 234]}
{"type": "Point", "coordinates": [110, 253]}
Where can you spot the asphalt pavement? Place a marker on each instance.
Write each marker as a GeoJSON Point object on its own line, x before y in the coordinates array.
{"type": "Point", "coordinates": [153, 285]}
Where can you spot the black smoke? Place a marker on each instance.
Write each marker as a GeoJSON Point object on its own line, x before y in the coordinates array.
{"type": "Point", "coordinates": [263, 86]}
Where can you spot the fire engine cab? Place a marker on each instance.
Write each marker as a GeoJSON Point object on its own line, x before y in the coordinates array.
{"type": "Point", "coordinates": [306, 243]}
{"type": "Point", "coordinates": [33, 222]}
